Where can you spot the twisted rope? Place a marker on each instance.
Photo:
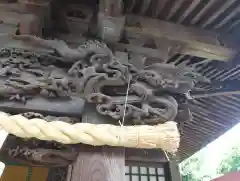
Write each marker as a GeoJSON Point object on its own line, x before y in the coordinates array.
{"type": "Point", "coordinates": [164, 136]}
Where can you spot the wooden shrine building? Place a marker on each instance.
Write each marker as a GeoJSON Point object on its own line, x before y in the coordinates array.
{"type": "Point", "coordinates": [177, 61]}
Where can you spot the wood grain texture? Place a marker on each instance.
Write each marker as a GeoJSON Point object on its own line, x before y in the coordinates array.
{"type": "Point", "coordinates": [192, 41]}
{"type": "Point", "coordinates": [100, 164]}
{"type": "Point", "coordinates": [144, 157]}
{"type": "Point", "coordinates": [97, 163]}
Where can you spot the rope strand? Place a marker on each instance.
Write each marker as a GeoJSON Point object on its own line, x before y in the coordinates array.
{"type": "Point", "coordinates": [164, 136]}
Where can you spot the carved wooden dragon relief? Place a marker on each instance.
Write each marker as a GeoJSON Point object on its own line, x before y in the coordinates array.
{"type": "Point", "coordinates": [92, 72]}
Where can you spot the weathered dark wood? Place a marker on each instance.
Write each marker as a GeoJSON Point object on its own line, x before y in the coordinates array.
{"type": "Point", "coordinates": [98, 164]}
{"type": "Point", "coordinates": [31, 15]}
{"type": "Point", "coordinates": [72, 107]}
{"type": "Point", "coordinates": [150, 53]}
{"type": "Point", "coordinates": [191, 41]}
{"type": "Point", "coordinates": [40, 10]}
{"type": "Point", "coordinates": [172, 171]}
{"type": "Point", "coordinates": [110, 20]}
{"type": "Point", "coordinates": [169, 37]}
{"type": "Point", "coordinates": [161, 53]}
{"type": "Point", "coordinates": [111, 7]}
{"type": "Point", "coordinates": [75, 25]}
{"type": "Point", "coordinates": [12, 7]}
{"type": "Point", "coordinates": [141, 157]}
{"type": "Point", "coordinates": [133, 157]}
{"type": "Point", "coordinates": [28, 23]}
{"type": "Point", "coordinates": [10, 18]}
{"type": "Point", "coordinates": [90, 115]}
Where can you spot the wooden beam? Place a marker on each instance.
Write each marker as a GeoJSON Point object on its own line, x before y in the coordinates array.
{"type": "Point", "coordinates": [104, 164]}
{"type": "Point", "coordinates": [161, 53]}
{"type": "Point", "coordinates": [10, 18]}
{"type": "Point", "coordinates": [172, 171]}
{"type": "Point", "coordinates": [41, 13]}
{"type": "Point", "coordinates": [214, 94]}
{"type": "Point", "coordinates": [29, 23]}
{"type": "Point", "coordinates": [111, 7]}
{"type": "Point", "coordinates": [8, 26]}
{"type": "Point", "coordinates": [150, 53]}
{"type": "Point", "coordinates": [110, 20]}
{"type": "Point", "coordinates": [219, 88]}
{"type": "Point", "coordinates": [72, 107]}
{"type": "Point", "coordinates": [11, 7]}
{"type": "Point", "coordinates": [184, 40]}
{"type": "Point", "coordinates": [133, 157]}
{"type": "Point", "coordinates": [29, 16]}
{"type": "Point", "coordinates": [144, 157]}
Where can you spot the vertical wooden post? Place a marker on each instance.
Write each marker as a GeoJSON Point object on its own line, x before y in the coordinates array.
{"type": "Point", "coordinates": [110, 20]}
{"type": "Point", "coordinates": [38, 15]}
{"type": "Point", "coordinates": [97, 163]}
{"type": "Point", "coordinates": [30, 25]}
{"type": "Point", "coordinates": [172, 170]}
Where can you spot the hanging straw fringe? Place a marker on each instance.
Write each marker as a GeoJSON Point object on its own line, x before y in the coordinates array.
{"type": "Point", "coordinates": [164, 136]}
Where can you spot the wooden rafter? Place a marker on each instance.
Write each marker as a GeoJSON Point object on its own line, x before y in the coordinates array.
{"type": "Point", "coordinates": [169, 38]}
{"type": "Point", "coordinates": [184, 40]}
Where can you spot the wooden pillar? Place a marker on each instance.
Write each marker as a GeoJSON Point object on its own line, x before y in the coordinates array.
{"type": "Point", "coordinates": [97, 163]}
{"type": "Point", "coordinates": [110, 20]}
{"type": "Point", "coordinates": [37, 16]}
{"type": "Point", "coordinates": [30, 25]}
{"type": "Point", "coordinates": [172, 170]}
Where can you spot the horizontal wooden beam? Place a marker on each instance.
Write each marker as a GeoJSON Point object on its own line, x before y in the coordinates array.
{"type": "Point", "coordinates": [29, 23]}
{"type": "Point", "coordinates": [10, 18]}
{"type": "Point", "coordinates": [219, 88]}
{"type": "Point", "coordinates": [181, 39]}
{"type": "Point", "coordinates": [133, 156]}
{"type": "Point", "coordinates": [161, 54]}
{"type": "Point", "coordinates": [169, 38]}
{"type": "Point", "coordinates": [144, 157]}
{"type": "Point", "coordinates": [216, 93]}
{"type": "Point", "coordinates": [73, 107]}
{"type": "Point", "coordinates": [148, 52]}
{"type": "Point", "coordinates": [11, 7]}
